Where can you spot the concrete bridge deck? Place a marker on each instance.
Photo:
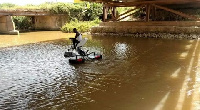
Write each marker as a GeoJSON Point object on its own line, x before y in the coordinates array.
{"type": "Point", "coordinates": [19, 12]}
{"type": "Point", "coordinates": [42, 19]}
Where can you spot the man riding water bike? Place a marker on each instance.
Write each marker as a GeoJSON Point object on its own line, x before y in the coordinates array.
{"type": "Point", "coordinates": [77, 39]}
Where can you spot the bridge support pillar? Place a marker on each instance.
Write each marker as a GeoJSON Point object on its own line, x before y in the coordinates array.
{"type": "Point", "coordinates": [7, 26]}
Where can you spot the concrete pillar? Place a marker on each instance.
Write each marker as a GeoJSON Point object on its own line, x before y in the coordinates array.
{"type": "Point", "coordinates": [33, 22]}
{"type": "Point", "coordinates": [7, 26]}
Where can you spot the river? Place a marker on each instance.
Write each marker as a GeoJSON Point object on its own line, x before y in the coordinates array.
{"type": "Point", "coordinates": [134, 74]}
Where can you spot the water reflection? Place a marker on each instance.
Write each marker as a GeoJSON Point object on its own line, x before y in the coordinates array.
{"type": "Point", "coordinates": [134, 74]}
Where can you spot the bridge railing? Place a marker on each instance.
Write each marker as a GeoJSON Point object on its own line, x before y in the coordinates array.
{"type": "Point", "coordinates": [19, 12]}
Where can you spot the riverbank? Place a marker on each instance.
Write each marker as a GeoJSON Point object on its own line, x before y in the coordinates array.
{"type": "Point", "coordinates": [152, 29]}
{"type": "Point", "coordinates": [152, 35]}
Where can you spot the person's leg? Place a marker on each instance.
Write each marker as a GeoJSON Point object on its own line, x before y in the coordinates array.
{"type": "Point", "coordinates": [75, 42]}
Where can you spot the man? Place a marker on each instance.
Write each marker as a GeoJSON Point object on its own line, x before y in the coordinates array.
{"type": "Point", "coordinates": [77, 39]}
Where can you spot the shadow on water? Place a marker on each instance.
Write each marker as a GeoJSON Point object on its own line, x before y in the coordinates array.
{"type": "Point", "coordinates": [160, 76]}
{"type": "Point", "coordinates": [135, 73]}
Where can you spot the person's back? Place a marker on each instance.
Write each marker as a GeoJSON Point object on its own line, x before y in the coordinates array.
{"type": "Point", "coordinates": [79, 37]}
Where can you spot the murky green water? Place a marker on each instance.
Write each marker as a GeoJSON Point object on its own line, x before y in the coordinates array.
{"type": "Point", "coordinates": [134, 74]}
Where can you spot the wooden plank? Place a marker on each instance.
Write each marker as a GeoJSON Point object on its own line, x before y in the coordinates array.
{"type": "Point", "coordinates": [127, 12]}
{"type": "Point", "coordinates": [177, 12]}
{"type": "Point", "coordinates": [117, 17]}
{"type": "Point", "coordinates": [153, 13]}
{"type": "Point", "coordinates": [147, 12]}
{"type": "Point", "coordinates": [129, 4]}
{"type": "Point", "coordinates": [104, 14]}
{"type": "Point", "coordinates": [114, 12]}
{"type": "Point", "coordinates": [125, 16]}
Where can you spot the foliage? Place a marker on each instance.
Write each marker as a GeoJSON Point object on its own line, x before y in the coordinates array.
{"type": "Point", "coordinates": [76, 12]}
{"type": "Point", "coordinates": [83, 11]}
{"type": "Point", "coordinates": [82, 26]}
{"type": "Point", "coordinates": [7, 5]}
{"type": "Point", "coordinates": [56, 8]}
{"type": "Point", "coordinates": [92, 11]}
{"type": "Point", "coordinates": [22, 22]}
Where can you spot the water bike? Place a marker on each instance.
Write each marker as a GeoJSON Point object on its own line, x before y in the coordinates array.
{"type": "Point", "coordinates": [77, 55]}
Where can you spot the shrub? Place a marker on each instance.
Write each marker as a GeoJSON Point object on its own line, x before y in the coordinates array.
{"type": "Point", "coordinates": [7, 5]}
{"type": "Point", "coordinates": [82, 26]}
{"type": "Point", "coordinates": [23, 22]}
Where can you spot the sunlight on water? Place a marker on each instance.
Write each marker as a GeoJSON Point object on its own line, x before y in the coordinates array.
{"type": "Point", "coordinates": [184, 90]}
{"type": "Point", "coordinates": [34, 37]}
{"type": "Point", "coordinates": [196, 87]}
{"type": "Point", "coordinates": [183, 55]}
{"type": "Point", "coordinates": [121, 50]}
{"type": "Point", "coordinates": [176, 73]}
{"type": "Point", "coordinates": [162, 103]}
{"type": "Point", "coordinates": [187, 47]}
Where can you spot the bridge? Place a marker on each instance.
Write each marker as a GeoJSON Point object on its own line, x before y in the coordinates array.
{"type": "Point", "coordinates": [155, 16]}
{"type": "Point", "coordinates": [42, 20]}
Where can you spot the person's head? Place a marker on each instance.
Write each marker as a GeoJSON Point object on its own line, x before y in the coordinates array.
{"type": "Point", "coordinates": [75, 30]}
